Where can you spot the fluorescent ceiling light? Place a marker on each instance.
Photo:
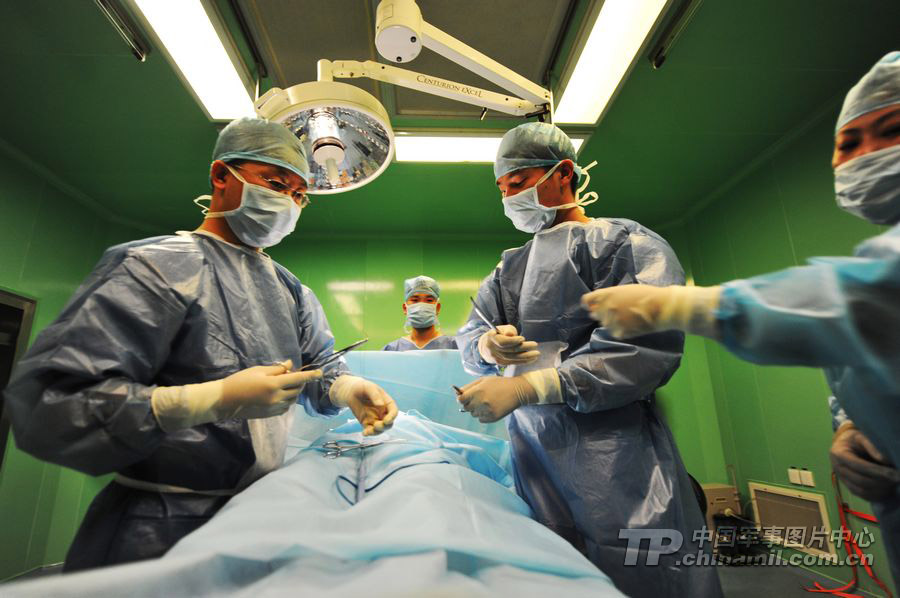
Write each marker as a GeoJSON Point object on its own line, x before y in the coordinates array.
{"type": "Point", "coordinates": [360, 286]}
{"type": "Point", "coordinates": [191, 41]}
{"type": "Point", "coordinates": [619, 33]}
{"type": "Point", "coordinates": [422, 148]}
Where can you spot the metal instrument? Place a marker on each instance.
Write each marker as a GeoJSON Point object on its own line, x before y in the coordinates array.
{"type": "Point", "coordinates": [335, 449]}
{"type": "Point", "coordinates": [481, 315]}
{"type": "Point", "coordinates": [332, 357]}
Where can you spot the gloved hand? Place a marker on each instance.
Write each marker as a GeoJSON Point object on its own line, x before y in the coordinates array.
{"type": "Point", "coordinates": [862, 468]}
{"type": "Point", "coordinates": [636, 309]}
{"type": "Point", "coordinates": [507, 348]}
{"type": "Point", "coordinates": [492, 398]}
{"type": "Point", "coordinates": [372, 406]}
{"type": "Point", "coordinates": [259, 391]}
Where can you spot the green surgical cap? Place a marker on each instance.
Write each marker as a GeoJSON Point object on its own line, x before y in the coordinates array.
{"type": "Point", "coordinates": [878, 88]}
{"type": "Point", "coordinates": [262, 141]}
{"type": "Point", "coordinates": [533, 144]}
{"type": "Point", "coordinates": [421, 284]}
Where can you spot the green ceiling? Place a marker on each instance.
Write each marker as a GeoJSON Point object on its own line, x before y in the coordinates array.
{"type": "Point", "coordinates": [129, 137]}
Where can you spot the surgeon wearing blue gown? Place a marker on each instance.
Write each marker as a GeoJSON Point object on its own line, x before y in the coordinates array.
{"type": "Point", "coordinates": [421, 306]}
{"type": "Point", "coordinates": [841, 314]}
{"type": "Point", "coordinates": [174, 364]}
{"type": "Point", "coordinates": [591, 454]}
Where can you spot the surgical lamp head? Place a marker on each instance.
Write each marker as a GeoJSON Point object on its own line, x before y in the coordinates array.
{"type": "Point", "coordinates": [344, 129]}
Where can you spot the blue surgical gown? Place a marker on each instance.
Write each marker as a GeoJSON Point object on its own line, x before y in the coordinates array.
{"type": "Point", "coordinates": [604, 460]}
{"type": "Point", "coordinates": [404, 344]}
{"type": "Point", "coordinates": [164, 311]}
{"type": "Point", "coordinates": [843, 315]}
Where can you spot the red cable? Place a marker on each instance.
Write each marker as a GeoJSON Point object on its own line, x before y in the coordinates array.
{"type": "Point", "coordinates": [853, 550]}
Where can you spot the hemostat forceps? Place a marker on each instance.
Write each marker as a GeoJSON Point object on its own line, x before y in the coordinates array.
{"type": "Point", "coordinates": [334, 449]}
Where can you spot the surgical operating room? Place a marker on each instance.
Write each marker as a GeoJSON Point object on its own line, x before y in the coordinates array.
{"type": "Point", "coordinates": [450, 298]}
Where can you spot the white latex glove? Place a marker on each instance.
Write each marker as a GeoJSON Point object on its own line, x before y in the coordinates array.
{"type": "Point", "coordinates": [508, 347]}
{"type": "Point", "coordinates": [636, 309]}
{"type": "Point", "coordinates": [259, 391]}
{"type": "Point", "coordinates": [492, 398]}
{"type": "Point", "coordinates": [372, 406]}
{"type": "Point", "coordinates": [862, 468]}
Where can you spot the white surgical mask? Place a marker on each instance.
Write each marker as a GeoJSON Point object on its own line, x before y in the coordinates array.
{"type": "Point", "coordinates": [869, 186]}
{"type": "Point", "coordinates": [264, 218]}
{"type": "Point", "coordinates": [421, 315]}
{"type": "Point", "coordinates": [527, 214]}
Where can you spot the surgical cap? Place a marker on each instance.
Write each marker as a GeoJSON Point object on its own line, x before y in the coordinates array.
{"type": "Point", "coordinates": [878, 88]}
{"type": "Point", "coordinates": [533, 144]}
{"type": "Point", "coordinates": [421, 284]}
{"type": "Point", "coordinates": [262, 141]}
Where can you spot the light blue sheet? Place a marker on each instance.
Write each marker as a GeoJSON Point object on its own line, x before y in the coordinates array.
{"type": "Point", "coordinates": [419, 380]}
{"type": "Point", "coordinates": [434, 514]}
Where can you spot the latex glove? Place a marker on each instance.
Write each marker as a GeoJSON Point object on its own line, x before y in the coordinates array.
{"type": "Point", "coordinates": [862, 468]}
{"type": "Point", "coordinates": [493, 398]}
{"type": "Point", "coordinates": [508, 347]}
{"type": "Point", "coordinates": [255, 392]}
{"type": "Point", "coordinates": [372, 406]}
{"type": "Point", "coordinates": [636, 309]}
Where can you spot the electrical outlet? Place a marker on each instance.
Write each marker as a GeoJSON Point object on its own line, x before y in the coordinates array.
{"type": "Point", "coordinates": [806, 477]}
{"type": "Point", "coordinates": [794, 475]}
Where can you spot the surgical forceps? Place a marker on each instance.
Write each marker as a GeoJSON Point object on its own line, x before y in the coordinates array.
{"type": "Point", "coordinates": [334, 449]}
{"type": "Point", "coordinates": [332, 357]}
{"type": "Point", "coordinates": [483, 317]}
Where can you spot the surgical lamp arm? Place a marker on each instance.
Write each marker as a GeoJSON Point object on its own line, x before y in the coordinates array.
{"type": "Point", "coordinates": [401, 32]}
{"type": "Point", "coordinates": [469, 58]}
{"type": "Point", "coordinates": [349, 69]}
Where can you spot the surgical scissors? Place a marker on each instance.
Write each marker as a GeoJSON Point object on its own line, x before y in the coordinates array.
{"type": "Point", "coordinates": [334, 449]}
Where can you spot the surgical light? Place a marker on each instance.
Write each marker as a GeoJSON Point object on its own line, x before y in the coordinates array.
{"type": "Point", "coordinates": [451, 148]}
{"type": "Point", "coordinates": [621, 30]}
{"type": "Point", "coordinates": [347, 131]}
{"type": "Point", "coordinates": [187, 35]}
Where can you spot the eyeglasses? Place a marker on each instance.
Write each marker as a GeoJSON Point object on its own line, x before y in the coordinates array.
{"type": "Point", "coordinates": [279, 187]}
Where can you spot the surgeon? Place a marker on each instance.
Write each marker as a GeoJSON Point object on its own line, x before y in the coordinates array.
{"type": "Point", "coordinates": [421, 306]}
{"type": "Point", "coordinates": [591, 454]}
{"type": "Point", "coordinates": [841, 314]}
{"type": "Point", "coordinates": [175, 364]}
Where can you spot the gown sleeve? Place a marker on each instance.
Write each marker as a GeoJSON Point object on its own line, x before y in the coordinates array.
{"type": "Point", "coordinates": [833, 312]}
{"type": "Point", "coordinates": [80, 397]}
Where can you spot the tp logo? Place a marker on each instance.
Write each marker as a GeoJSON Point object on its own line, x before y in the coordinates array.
{"type": "Point", "coordinates": [655, 547]}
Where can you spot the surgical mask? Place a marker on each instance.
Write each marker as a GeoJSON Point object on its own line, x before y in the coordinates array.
{"type": "Point", "coordinates": [529, 216]}
{"type": "Point", "coordinates": [421, 315]}
{"type": "Point", "coordinates": [264, 218]}
{"type": "Point", "coordinates": [869, 186]}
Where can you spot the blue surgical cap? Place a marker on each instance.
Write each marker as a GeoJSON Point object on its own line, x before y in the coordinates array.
{"type": "Point", "coordinates": [878, 88]}
{"type": "Point", "coordinates": [421, 284]}
{"type": "Point", "coordinates": [533, 144]}
{"type": "Point", "coordinates": [262, 141]}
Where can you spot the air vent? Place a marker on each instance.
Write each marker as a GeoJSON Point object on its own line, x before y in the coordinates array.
{"type": "Point", "coordinates": [793, 519]}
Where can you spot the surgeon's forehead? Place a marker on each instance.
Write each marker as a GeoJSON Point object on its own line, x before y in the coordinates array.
{"type": "Point", "coordinates": [519, 175]}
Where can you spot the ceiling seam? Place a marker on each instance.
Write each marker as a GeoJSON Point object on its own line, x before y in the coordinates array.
{"type": "Point", "coordinates": [768, 153]}
{"type": "Point", "coordinates": [67, 189]}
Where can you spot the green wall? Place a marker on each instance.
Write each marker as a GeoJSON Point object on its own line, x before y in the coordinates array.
{"type": "Point", "coordinates": [360, 281]}
{"type": "Point", "coordinates": [49, 240]}
{"type": "Point", "coordinates": [777, 213]}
